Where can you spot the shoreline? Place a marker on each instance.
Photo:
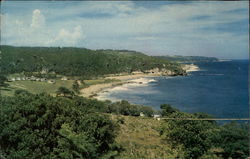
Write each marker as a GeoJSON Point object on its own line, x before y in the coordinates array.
{"type": "Point", "coordinates": [94, 91]}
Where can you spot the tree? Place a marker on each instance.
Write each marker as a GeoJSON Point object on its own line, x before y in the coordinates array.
{"type": "Point", "coordinates": [41, 126]}
{"type": "Point", "coordinates": [21, 91]}
{"type": "Point", "coordinates": [65, 92]}
{"type": "Point", "coordinates": [113, 108]}
{"type": "Point", "coordinates": [193, 135]}
{"type": "Point", "coordinates": [234, 139]}
{"type": "Point", "coordinates": [148, 111]}
{"type": "Point", "coordinates": [167, 109]}
{"type": "Point", "coordinates": [76, 87]}
{"type": "Point", "coordinates": [125, 108]}
{"type": "Point", "coordinates": [3, 79]}
{"type": "Point", "coordinates": [3, 83]}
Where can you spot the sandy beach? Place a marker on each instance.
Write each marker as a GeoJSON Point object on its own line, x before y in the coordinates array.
{"type": "Point", "coordinates": [93, 90]}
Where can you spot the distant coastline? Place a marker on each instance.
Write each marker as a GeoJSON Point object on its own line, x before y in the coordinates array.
{"type": "Point", "coordinates": [211, 90]}
{"type": "Point", "coordinates": [94, 91]}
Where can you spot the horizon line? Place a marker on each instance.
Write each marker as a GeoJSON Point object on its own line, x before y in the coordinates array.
{"type": "Point", "coordinates": [79, 47]}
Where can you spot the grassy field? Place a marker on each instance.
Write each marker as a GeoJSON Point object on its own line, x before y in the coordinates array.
{"type": "Point", "coordinates": [40, 87]}
{"type": "Point", "coordinates": [99, 81]}
{"type": "Point", "coordinates": [36, 87]}
{"type": "Point", "coordinates": [140, 139]}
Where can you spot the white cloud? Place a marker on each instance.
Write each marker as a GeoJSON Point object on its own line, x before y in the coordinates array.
{"type": "Point", "coordinates": [125, 25]}
{"type": "Point", "coordinates": [33, 31]}
{"type": "Point", "coordinates": [1, 21]}
{"type": "Point", "coordinates": [65, 37]}
{"type": "Point", "coordinates": [38, 20]}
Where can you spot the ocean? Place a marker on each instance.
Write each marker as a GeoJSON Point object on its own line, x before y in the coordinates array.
{"type": "Point", "coordinates": [218, 88]}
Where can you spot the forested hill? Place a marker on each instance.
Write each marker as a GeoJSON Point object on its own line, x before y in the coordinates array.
{"type": "Point", "coordinates": [79, 61]}
{"type": "Point", "coordinates": [188, 59]}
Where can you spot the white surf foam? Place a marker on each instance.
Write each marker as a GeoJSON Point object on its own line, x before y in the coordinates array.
{"type": "Point", "coordinates": [140, 82]}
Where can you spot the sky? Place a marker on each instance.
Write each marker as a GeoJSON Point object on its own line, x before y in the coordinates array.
{"type": "Point", "coordinates": [202, 28]}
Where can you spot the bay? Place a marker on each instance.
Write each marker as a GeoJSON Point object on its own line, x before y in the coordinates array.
{"type": "Point", "coordinates": [219, 88]}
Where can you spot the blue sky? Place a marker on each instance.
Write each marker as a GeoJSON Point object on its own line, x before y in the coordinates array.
{"type": "Point", "coordinates": [218, 29]}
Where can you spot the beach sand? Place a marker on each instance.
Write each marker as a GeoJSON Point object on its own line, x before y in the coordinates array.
{"type": "Point", "coordinates": [93, 90]}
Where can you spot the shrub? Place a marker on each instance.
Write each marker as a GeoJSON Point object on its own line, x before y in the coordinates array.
{"type": "Point", "coordinates": [41, 126]}
{"type": "Point", "coordinates": [193, 135]}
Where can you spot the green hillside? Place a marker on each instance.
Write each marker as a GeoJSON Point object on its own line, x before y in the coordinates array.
{"type": "Point", "coordinates": [79, 61]}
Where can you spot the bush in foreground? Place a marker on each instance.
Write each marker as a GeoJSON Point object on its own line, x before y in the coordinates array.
{"type": "Point", "coordinates": [41, 126]}
{"type": "Point", "coordinates": [193, 135]}
{"type": "Point", "coordinates": [200, 138]}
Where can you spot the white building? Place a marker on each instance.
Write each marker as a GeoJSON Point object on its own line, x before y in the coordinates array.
{"type": "Point", "coordinates": [157, 116]}
{"type": "Point", "coordinates": [43, 79]}
{"type": "Point", "coordinates": [64, 78]}
{"type": "Point", "coordinates": [32, 78]}
{"type": "Point", "coordinates": [142, 114]}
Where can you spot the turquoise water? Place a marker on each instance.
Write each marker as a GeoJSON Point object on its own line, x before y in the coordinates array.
{"type": "Point", "coordinates": [219, 88]}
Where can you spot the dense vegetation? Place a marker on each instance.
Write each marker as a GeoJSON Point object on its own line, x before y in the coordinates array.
{"type": "Point", "coordinates": [204, 138]}
{"type": "Point", "coordinates": [188, 59]}
{"type": "Point", "coordinates": [3, 80]}
{"type": "Point", "coordinates": [78, 61]}
{"type": "Point", "coordinates": [41, 126]}
{"type": "Point", "coordinates": [68, 126]}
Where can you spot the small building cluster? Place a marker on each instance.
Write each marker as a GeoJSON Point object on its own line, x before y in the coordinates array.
{"type": "Point", "coordinates": [64, 78]}
{"type": "Point", "coordinates": [155, 116]}
{"type": "Point", "coordinates": [32, 78]}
